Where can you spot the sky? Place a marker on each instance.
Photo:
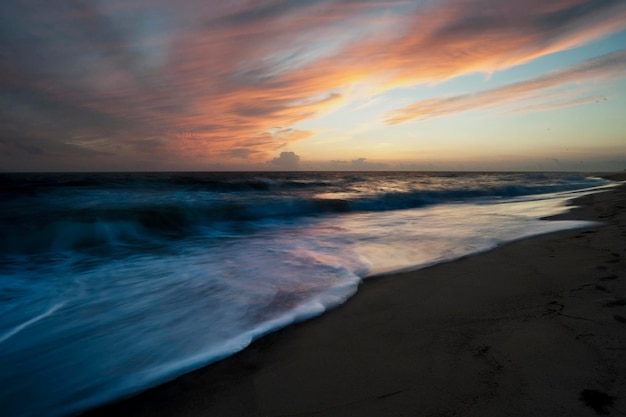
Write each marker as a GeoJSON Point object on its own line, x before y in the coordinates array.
{"type": "Point", "coordinates": [189, 85]}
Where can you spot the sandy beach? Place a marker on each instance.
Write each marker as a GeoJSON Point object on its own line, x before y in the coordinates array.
{"type": "Point", "coordinates": [533, 328]}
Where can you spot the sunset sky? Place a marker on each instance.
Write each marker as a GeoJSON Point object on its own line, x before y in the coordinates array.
{"type": "Point", "coordinates": [143, 85]}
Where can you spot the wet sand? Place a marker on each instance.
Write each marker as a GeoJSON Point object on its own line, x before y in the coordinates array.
{"type": "Point", "coordinates": [533, 328]}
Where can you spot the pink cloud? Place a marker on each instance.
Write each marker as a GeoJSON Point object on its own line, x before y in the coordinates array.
{"type": "Point", "coordinates": [608, 66]}
{"type": "Point", "coordinates": [200, 79]}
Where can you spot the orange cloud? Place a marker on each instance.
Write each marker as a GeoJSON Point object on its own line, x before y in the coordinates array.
{"type": "Point", "coordinates": [449, 39]}
{"type": "Point", "coordinates": [209, 81]}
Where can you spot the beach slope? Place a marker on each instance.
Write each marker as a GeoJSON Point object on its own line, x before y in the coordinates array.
{"type": "Point", "coordinates": [533, 328]}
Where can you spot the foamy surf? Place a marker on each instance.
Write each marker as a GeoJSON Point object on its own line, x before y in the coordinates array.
{"type": "Point", "coordinates": [113, 283]}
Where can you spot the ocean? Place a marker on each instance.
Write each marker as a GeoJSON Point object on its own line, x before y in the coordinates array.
{"type": "Point", "coordinates": [111, 283]}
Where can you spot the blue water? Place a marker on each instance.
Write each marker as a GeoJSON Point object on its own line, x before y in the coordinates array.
{"type": "Point", "coordinates": [112, 283]}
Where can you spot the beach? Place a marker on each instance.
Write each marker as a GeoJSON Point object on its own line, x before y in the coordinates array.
{"type": "Point", "coordinates": [534, 327]}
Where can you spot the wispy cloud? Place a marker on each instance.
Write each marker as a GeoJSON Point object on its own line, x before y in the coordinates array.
{"type": "Point", "coordinates": [605, 67]}
{"type": "Point", "coordinates": [559, 104]}
{"type": "Point", "coordinates": [208, 81]}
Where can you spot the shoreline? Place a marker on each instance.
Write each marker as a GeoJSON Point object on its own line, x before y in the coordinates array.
{"type": "Point", "coordinates": [523, 329]}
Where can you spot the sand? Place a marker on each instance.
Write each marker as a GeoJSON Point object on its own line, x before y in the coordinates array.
{"type": "Point", "coordinates": [533, 328]}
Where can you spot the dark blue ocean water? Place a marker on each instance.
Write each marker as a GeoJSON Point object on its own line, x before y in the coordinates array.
{"type": "Point", "coordinates": [112, 283]}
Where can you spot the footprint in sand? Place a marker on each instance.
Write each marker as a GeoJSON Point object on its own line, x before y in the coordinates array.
{"type": "Point", "coordinates": [619, 302]}
{"type": "Point", "coordinates": [601, 288]}
{"type": "Point", "coordinates": [554, 307]}
{"type": "Point", "coordinates": [597, 400]}
{"type": "Point", "coordinates": [595, 286]}
{"type": "Point", "coordinates": [609, 278]}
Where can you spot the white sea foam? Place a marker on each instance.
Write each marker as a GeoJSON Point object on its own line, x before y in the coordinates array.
{"type": "Point", "coordinates": [15, 330]}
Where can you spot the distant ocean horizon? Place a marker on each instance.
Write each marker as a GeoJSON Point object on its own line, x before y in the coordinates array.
{"type": "Point", "coordinates": [111, 283]}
